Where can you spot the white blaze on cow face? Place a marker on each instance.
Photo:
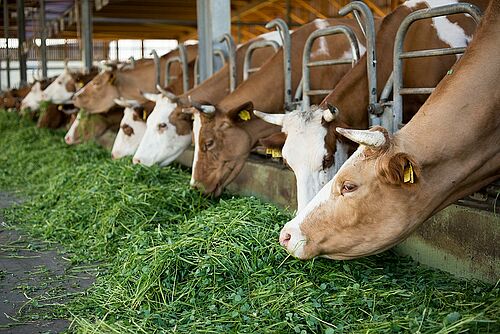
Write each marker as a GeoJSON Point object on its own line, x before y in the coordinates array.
{"type": "Point", "coordinates": [196, 138]}
{"type": "Point", "coordinates": [304, 151]}
{"type": "Point", "coordinates": [70, 137]}
{"type": "Point", "coordinates": [132, 129]}
{"type": "Point", "coordinates": [161, 144]}
{"type": "Point", "coordinates": [57, 91]}
{"type": "Point", "coordinates": [34, 97]}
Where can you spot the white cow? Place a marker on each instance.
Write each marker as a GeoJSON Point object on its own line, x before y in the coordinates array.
{"type": "Point", "coordinates": [34, 97]}
{"type": "Point", "coordinates": [132, 129]}
{"type": "Point", "coordinates": [161, 143]}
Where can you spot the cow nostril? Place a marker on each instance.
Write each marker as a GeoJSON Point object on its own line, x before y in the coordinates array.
{"type": "Point", "coordinates": [136, 161]}
{"type": "Point", "coordinates": [285, 238]}
{"type": "Point", "coordinates": [67, 140]}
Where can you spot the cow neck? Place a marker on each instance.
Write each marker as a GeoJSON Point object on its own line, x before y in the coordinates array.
{"type": "Point", "coordinates": [257, 129]}
{"type": "Point", "coordinates": [455, 136]}
{"type": "Point", "coordinates": [131, 81]}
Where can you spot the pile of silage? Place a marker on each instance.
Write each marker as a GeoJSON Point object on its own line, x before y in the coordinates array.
{"type": "Point", "coordinates": [172, 260]}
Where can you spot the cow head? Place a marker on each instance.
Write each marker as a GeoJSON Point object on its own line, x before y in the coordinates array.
{"type": "Point", "coordinates": [62, 89]}
{"type": "Point", "coordinates": [364, 209]}
{"type": "Point", "coordinates": [98, 95]}
{"type": "Point", "coordinates": [86, 127]}
{"type": "Point", "coordinates": [162, 142]}
{"type": "Point", "coordinates": [132, 129]}
{"type": "Point", "coordinates": [221, 146]}
{"type": "Point", "coordinates": [304, 149]}
{"type": "Point", "coordinates": [34, 97]}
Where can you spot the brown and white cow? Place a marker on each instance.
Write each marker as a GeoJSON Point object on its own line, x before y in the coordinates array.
{"type": "Point", "coordinates": [225, 137]}
{"type": "Point", "coordinates": [132, 127]}
{"type": "Point", "coordinates": [99, 94]}
{"type": "Point", "coordinates": [312, 147]}
{"type": "Point", "coordinates": [168, 132]}
{"type": "Point", "coordinates": [392, 184]}
{"type": "Point", "coordinates": [99, 127]}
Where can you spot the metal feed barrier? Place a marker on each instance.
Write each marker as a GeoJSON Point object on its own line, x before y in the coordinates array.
{"type": "Point", "coordinates": [218, 53]}
{"type": "Point", "coordinates": [360, 8]}
{"type": "Point", "coordinates": [231, 47]}
{"type": "Point", "coordinates": [249, 53]}
{"type": "Point", "coordinates": [183, 60]}
{"type": "Point", "coordinates": [307, 63]}
{"type": "Point", "coordinates": [395, 122]}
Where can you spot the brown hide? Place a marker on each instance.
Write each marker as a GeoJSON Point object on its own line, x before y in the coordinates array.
{"type": "Point", "coordinates": [216, 87]}
{"type": "Point", "coordinates": [98, 95]}
{"type": "Point", "coordinates": [351, 95]}
{"type": "Point", "coordinates": [225, 141]}
{"type": "Point", "coordinates": [95, 126]}
{"type": "Point", "coordinates": [453, 142]}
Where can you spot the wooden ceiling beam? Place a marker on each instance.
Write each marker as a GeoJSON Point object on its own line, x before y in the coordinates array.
{"type": "Point", "coordinates": [310, 8]}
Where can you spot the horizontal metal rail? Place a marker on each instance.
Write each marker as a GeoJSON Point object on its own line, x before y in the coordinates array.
{"type": "Point", "coordinates": [307, 63]}
{"type": "Point", "coordinates": [399, 54]}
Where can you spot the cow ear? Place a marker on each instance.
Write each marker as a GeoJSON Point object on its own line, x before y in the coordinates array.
{"type": "Point", "coordinates": [242, 113]}
{"type": "Point", "coordinates": [276, 140]}
{"type": "Point", "coordinates": [398, 168]}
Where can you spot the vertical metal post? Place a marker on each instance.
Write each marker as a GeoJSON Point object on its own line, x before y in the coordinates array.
{"type": "Point", "coordinates": [117, 50]}
{"type": "Point", "coordinates": [142, 48]}
{"type": "Point", "coordinates": [86, 26]}
{"type": "Point", "coordinates": [6, 35]}
{"type": "Point", "coordinates": [214, 20]}
{"type": "Point", "coordinates": [21, 38]}
{"type": "Point", "coordinates": [43, 37]}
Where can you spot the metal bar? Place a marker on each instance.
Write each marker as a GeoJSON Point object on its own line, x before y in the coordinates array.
{"type": "Point", "coordinates": [419, 90]}
{"type": "Point", "coordinates": [6, 35]}
{"type": "Point", "coordinates": [185, 67]}
{"type": "Point", "coordinates": [287, 61]}
{"type": "Point", "coordinates": [329, 62]}
{"type": "Point", "coordinates": [421, 14]}
{"type": "Point", "coordinates": [133, 21]}
{"type": "Point", "coordinates": [217, 52]}
{"type": "Point", "coordinates": [168, 76]}
{"type": "Point", "coordinates": [21, 38]}
{"type": "Point", "coordinates": [231, 47]}
{"type": "Point", "coordinates": [432, 52]}
{"type": "Point", "coordinates": [371, 56]}
{"type": "Point", "coordinates": [43, 37]}
{"type": "Point", "coordinates": [86, 28]}
{"type": "Point", "coordinates": [306, 57]}
{"type": "Point", "coordinates": [250, 50]}
{"type": "Point", "coordinates": [318, 92]}
{"type": "Point", "coordinates": [156, 61]}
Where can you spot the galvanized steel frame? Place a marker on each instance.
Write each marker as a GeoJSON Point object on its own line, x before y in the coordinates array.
{"type": "Point", "coordinates": [358, 7]}
{"type": "Point", "coordinates": [249, 52]}
{"type": "Point", "coordinates": [183, 60]}
{"type": "Point", "coordinates": [307, 63]}
{"type": "Point", "coordinates": [399, 54]}
{"type": "Point", "coordinates": [231, 50]}
{"type": "Point", "coordinates": [217, 52]}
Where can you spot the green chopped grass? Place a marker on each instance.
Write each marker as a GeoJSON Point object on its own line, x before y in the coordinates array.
{"type": "Point", "coordinates": [172, 260]}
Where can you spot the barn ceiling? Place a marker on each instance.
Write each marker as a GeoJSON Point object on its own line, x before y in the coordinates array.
{"type": "Point", "coordinates": [171, 19]}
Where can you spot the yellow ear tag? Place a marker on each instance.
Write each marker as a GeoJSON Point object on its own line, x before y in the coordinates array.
{"type": "Point", "coordinates": [269, 151]}
{"type": "Point", "coordinates": [244, 115]}
{"type": "Point", "coordinates": [79, 85]}
{"type": "Point", "coordinates": [276, 153]}
{"type": "Point", "coordinates": [408, 174]}
{"type": "Point", "coordinates": [144, 115]}
{"type": "Point", "coordinates": [60, 107]}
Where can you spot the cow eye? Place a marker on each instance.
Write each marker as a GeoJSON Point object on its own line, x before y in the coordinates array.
{"type": "Point", "coordinates": [209, 144]}
{"type": "Point", "coordinates": [162, 126]}
{"type": "Point", "coordinates": [348, 187]}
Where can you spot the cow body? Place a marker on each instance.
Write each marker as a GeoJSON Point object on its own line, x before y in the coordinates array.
{"type": "Point", "coordinates": [313, 149]}
{"type": "Point", "coordinates": [225, 138]}
{"type": "Point", "coordinates": [161, 144]}
{"type": "Point", "coordinates": [98, 96]}
{"type": "Point", "coordinates": [390, 185]}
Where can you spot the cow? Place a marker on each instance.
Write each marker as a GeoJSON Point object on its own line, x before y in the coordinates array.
{"type": "Point", "coordinates": [55, 116]}
{"type": "Point", "coordinates": [392, 184]}
{"type": "Point", "coordinates": [168, 132]}
{"type": "Point", "coordinates": [99, 127]}
{"type": "Point", "coordinates": [132, 127]}
{"type": "Point", "coordinates": [13, 98]}
{"type": "Point", "coordinates": [98, 95]}
{"type": "Point", "coordinates": [310, 144]}
{"type": "Point", "coordinates": [225, 136]}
